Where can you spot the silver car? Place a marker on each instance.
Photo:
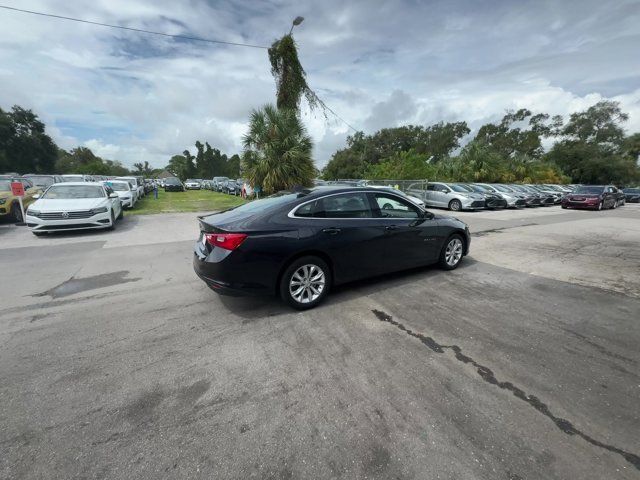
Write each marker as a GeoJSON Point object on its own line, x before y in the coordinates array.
{"type": "Point", "coordinates": [449, 195]}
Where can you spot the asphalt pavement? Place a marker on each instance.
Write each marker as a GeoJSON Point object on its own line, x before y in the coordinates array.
{"type": "Point", "coordinates": [117, 362]}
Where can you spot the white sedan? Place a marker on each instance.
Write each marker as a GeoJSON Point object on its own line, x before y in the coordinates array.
{"type": "Point", "coordinates": [128, 196]}
{"type": "Point", "coordinates": [74, 206]}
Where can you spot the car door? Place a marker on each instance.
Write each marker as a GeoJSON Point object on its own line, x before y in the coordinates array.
{"type": "Point", "coordinates": [440, 195]}
{"type": "Point", "coordinates": [342, 226]}
{"type": "Point", "coordinates": [410, 235]}
{"type": "Point", "coordinates": [430, 195]}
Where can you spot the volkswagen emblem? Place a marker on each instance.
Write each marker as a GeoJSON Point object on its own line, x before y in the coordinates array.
{"type": "Point", "coordinates": [65, 215]}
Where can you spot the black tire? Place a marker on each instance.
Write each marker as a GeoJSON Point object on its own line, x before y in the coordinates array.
{"type": "Point", "coordinates": [288, 277]}
{"type": "Point", "coordinates": [16, 213]}
{"type": "Point", "coordinates": [455, 205]}
{"type": "Point", "coordinates": [121, 214]}
{"type": "Point", "coordinates": [564, 207]}
{"type": "Point", "coordinates": [445, 253]}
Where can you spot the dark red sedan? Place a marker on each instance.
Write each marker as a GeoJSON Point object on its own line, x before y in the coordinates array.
{"type": "Point", "coordinates": [596, 197]}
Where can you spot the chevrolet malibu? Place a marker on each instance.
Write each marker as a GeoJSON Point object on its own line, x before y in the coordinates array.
{"type": "Point", "coordinates": [299, 244]}
{"type": "Point", "coordinates": [74, 206]}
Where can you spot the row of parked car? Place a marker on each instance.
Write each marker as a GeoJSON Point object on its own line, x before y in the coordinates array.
{"type": "Point", "coordinates": [70, 202]}
{"type": "Point", "coordinates": [217, 184]}
{"type": "Point", "coordinates": [480, 196]}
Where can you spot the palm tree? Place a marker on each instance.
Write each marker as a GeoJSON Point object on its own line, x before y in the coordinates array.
{"type": "Point", "coordinates": [277, 150]}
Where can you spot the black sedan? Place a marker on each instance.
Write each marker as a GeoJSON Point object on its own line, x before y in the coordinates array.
{"type": "Point", "coordinates": [299, 244]}
{"type": "Point", "coordinates": [173, 185]}
{"type": "Point", "coordinates": [632, 195]}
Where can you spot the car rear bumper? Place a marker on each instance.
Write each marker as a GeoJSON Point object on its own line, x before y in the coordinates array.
{"type": "Point", "coordinates": [234, 273]}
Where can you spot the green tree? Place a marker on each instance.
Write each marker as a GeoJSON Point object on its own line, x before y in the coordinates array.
{"type": "Point", "coordinates": [507, 139]}
{"type": "Point", "coordinates": [24, 145]}
{"type": "Point", "coordinates": [435, 142]}
{"type": "Point", "coordinates": [277, 150]}
{"type": "Point", "coordinates": [290, 77]}
{"type": "Point", "coordinates": [190, 170]}
{"type": "Point", "coordinates": [143, 169]}
{"type": "Point", "coordinates": [178, 166]}
{"type": "Point", "coordinates": [594, 149]}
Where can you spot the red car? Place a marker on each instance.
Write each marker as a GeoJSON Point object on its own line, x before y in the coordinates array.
{"type": "Point", "coordinates": [597, 197]}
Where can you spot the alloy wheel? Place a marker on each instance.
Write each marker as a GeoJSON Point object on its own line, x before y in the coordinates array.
{"type": "Point", "coordinates": [455, 205]}
{"type": "Point", "coordinates": [453, 252]}
{"type": "Point", "coordinates": [307, 283]}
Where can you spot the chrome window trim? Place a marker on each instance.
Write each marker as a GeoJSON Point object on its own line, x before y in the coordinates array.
{"type": "Point", "coordinates": [291, 213]}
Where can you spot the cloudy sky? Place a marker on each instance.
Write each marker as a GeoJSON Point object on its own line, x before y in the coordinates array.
{"type": "Point", "coordinates": [135, 97]}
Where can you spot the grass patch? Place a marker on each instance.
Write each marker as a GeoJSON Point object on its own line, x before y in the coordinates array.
{"type": "Point", "coordinates": [189, 201]}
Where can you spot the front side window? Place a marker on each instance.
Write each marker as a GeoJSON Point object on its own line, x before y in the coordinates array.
{"type": "Point", "coordinates": [390, 206]}
{"type": "Point", "coordinates": [60, 191]}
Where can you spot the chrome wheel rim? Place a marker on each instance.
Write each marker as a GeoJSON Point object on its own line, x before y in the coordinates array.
{"type": "Point", "coordinates": [455, 206]}
{"type": "Point", "coordinates": [453, 252]}
{"type": "Point", "coordinates": [307, 283]}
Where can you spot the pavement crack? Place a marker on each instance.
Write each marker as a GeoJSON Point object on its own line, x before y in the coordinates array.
{"type": "Point", "coordinates": [488, 376]}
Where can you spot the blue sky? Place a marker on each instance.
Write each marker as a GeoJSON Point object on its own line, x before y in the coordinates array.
{"type": "Point", "coordinates": [134, 97]}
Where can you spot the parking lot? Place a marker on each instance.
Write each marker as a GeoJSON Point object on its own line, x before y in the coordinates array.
{"type": "Point", "coordinates": [118, 362]}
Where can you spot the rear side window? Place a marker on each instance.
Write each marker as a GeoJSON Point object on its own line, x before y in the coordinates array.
{"type": "Point", "coordinates": [348, 205]}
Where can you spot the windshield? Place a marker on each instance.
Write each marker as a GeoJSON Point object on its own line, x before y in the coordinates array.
{"type": "Point", "coordinates": [458, 188]}
{"type": "Point", "coordinates": [502, 188]}
{"type": "Point", "coordinates": [172, 181]}
{"type": "Point", "coordinates": [192, 180]}
{"type": "Point", "coordinates": [41, 180]}
{"type": "Point", "coordinates": [5, 185]}
{"type": "Point", "coordinates": [589, 190]}
{"type": "Point", "coordinates": [62, 191]}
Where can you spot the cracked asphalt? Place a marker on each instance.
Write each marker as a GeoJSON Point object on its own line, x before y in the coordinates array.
{"type": "Point", "coordinates": [117, 362]}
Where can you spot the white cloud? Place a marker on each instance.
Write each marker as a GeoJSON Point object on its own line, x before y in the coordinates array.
{"type": "Point", "coordinates": [134, 97]}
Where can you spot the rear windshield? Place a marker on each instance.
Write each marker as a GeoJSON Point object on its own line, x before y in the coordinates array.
{"type": "Point", "coordinates": [589, 190]}
{"type": "Point", "coordinates": [631, 190]}
{"type": "Point", "coordinates": [268, 202]}
{"type": "Point", "coordinates": [61, 191]}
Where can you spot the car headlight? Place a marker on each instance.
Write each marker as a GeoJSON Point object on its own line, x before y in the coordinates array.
{"type": "Point", "coordinates": [3, 201]}
{"type": "Point", "coordinates": [100, 210]}
{"type": "Point", "coordinates": [33, 213]}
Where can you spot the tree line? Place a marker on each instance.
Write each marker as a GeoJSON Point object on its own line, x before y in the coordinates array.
{"type": "Point", "coordinates": [208, 162]}
{"type": "Point", "coordinates": [591, 147]}
{"type": "Point", "coordinates": [25, 147]}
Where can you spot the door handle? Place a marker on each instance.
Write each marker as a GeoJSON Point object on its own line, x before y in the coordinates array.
{"type": "Point", "coordinates": [390, 227]}
{"type": "Point", "coordinates": [331, 231]}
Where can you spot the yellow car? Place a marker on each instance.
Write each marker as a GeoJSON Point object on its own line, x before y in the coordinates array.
{"type": "Point", "coordinates": [9, 204]}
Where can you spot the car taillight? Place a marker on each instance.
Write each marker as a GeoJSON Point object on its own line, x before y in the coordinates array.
{"type": "Point", "coordinates": [228, 241]}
